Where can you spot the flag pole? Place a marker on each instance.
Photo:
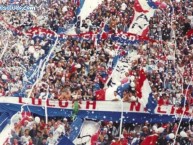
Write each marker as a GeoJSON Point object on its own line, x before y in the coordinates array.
{"type": "Point", "coordinates": [121, 122]}
{"type": "Point", "coordinates": [46, 107]}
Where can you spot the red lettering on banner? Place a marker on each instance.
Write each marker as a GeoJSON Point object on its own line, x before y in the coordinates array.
{"type": "Point", "coordinates": [173, 109]}
{"type": "Point", "coordinates": [145, 110]}
{"type": "Point", "coordinates": [132, 37]}
{"type": "Point", "coordinates": [160, 111]}
{"type": "Point", "coordinates": [135, 105]}
{"type": "Point", "coordinates": [20, 100]}
{"type": "Point", "coordinates": [179, 110]}
{"type": "Point", "coordinates": [48, 103]}
{"type": "Point", "coordinates": [187, 111]}
{"type": "Point", "coordinates": [63, 105]}
{"type": "Point", "coordinates": [88, 103]}
{"type": "Point", "coordinates": [34, 101]}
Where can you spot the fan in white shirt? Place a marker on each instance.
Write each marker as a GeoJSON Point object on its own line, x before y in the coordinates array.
{"type": "Point", "coordinates": [51, 140]}
{"type": "Point", "coordinates": [25, 138]}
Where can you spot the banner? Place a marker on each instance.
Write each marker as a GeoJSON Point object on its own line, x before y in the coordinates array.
{"type": "Point", "coordinates": [120, 37]}
{"type": "Point", "coordinates": [144, 10]}
{"type": "Point", "coordinates": [100, 110]}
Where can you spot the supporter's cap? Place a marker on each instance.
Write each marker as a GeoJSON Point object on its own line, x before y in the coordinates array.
{"type": "Point", "coordinates": [105, 129]}
{"type": "Point", "coordinates": [65, 119]}
{"type": "Point", "coordinates": [111, 122]}
{"type": "Point", "coordinates": [160, 130]}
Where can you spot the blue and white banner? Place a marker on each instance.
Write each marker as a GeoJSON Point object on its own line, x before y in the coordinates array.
{"type": "Point", "coordinates": [99, 110]}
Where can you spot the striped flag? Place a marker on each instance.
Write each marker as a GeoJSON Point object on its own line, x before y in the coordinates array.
{"type": "Point", "coordinates": [144, 92]}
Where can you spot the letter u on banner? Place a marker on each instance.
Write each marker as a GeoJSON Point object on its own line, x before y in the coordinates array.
{"type": "Point", "coordinates": [63, 104]}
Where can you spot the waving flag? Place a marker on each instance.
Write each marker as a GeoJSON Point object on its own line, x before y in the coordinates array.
{"type": "Point", "coordinates": [65, 140]}
{"type": "Point", "coordinates": [144, 92]}
{"type": "Point", "coordinates": [105, 94]}
{"type": "Point", "coordinates": [144, 10]}
{"type": "Point", "coordinates": [89, 133]}
{"type": "Point", "coordinates": [150, 140]}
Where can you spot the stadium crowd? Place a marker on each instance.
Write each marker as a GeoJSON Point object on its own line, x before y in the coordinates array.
{"type": "Point", "coordinates": [76, 60]}
{"type": "Point", "coordinates": [153, 134]}
{"type": "Point", "coordinates": [79, 67]}
{"type": "Point", "coordinates": [31, 130]}
{"type": "Point", "coordinates": [28, 130]}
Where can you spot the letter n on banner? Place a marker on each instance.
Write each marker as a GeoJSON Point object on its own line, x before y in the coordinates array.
{"type": "Point", "coordinates": [135, 105]}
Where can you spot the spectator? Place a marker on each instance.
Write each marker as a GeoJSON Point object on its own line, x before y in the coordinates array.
{"type": "Point", "coordinates": [51, 140]}
{"type": "Point", "coordinates": [38, 139]}
{"type": "Point", "coordinates": [25, 139]}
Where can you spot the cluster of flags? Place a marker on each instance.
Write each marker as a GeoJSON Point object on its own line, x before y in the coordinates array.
{"type": "Point", "coordinates": [143, 92]}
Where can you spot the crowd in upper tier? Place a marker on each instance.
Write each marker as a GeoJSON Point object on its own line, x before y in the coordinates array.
{"type": "Point", "coordinates": [78, 68]}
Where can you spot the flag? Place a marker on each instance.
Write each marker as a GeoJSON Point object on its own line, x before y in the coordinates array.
{"type": "Point", "coordinates": [150, 140]}
{"type": "Point", "coordinates": [144, 10]}
{"type": "Point", "coordinates": [75, 128]}
{"type": "Point", "coordinates": [89, 133]}
{"type": "Point", "coordinates": [144, 92]}
{"type": "Point", "coordinates": [94, 138]}
{"type": "Point", "coordinates": [105, 94]}
{"type": "Point", "coordinates": [65, 141]}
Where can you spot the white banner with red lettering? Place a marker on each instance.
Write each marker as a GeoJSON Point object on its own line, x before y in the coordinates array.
{"type": "Point", "coordinates": [103, 106]}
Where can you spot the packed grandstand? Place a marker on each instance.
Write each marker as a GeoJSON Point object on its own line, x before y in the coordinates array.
{"type": "Point", "coordinates": [96, 72]}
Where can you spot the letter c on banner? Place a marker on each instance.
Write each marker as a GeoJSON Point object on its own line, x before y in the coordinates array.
{"type": "Point", "coordinates": [38, 103]}
{"type": "Point", "coordinates": [48, 103]}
